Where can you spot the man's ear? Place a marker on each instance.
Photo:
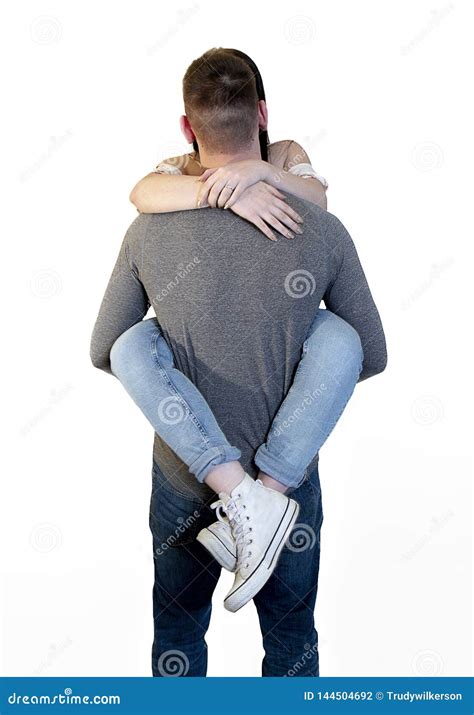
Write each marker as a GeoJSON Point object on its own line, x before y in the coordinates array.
{"type": "Point", "coordinates": [186, 129]}
{"type": "Point", "coordinates": [262, 114]}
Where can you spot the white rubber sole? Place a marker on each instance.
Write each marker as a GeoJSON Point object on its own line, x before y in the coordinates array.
{"type": "Point", "coordinates": [258, 578]}
{"type": "Point", "coordinates": [217, 549]}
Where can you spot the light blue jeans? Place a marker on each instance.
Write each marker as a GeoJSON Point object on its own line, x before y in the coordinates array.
{"type": "Point", "coordinates": [324, 381]}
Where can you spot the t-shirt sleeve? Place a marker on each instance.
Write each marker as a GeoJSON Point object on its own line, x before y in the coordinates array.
{"type": "Point", "coordinates": [125, 301]}
{"type": "Point", "coordinates": [307, 172]}
{"type": "Point", "coordinates": [349, 297]}
{"type": "Point", "coordinates": [166, 168]}
{"type": "Point", "coordinates": [298, 163]}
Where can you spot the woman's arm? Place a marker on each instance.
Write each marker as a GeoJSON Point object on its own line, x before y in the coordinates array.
{"type": "Point", "coordinates": [159, 193]}
{"type": "Point", "coordinates": [310, 189]}
{"type": "Point", "coordinates": [304, 187]}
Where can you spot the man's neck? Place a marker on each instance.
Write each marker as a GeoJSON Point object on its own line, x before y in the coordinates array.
{"type": "Point", "coordinates": [210, 160]}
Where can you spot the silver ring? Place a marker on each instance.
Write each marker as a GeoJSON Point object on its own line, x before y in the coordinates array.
{"type": "Point", "coordinates": [228, 186]}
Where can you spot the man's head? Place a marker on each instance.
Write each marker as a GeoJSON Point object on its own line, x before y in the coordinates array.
{"type": "Point", "coordinates": [223, 110]}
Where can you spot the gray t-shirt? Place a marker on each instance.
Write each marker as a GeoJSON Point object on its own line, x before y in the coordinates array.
{"type": "Point", "coordinates": [235, 309]}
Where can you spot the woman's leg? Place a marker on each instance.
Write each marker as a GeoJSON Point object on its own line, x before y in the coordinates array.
{"type": "Point", "coordinates": [324, 381]}
{"type": "Point", "coordinates": [179, 414]}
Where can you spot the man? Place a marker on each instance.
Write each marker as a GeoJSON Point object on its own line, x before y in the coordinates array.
{"type": "Point", "coordinates": [233, 313]}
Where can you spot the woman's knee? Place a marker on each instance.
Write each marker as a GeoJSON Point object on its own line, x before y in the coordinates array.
{"type": "Point", "coordinates": [133, 344]}
{"type": "Point", "coordinates": [340, 337]}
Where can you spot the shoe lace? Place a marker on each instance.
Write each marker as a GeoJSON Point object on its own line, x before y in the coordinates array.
{"type": "Point", "coordinates": [234, 512]}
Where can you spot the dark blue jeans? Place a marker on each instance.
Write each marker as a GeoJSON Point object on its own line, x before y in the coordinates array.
{"type": "Point", "coordinates": [186, 576]}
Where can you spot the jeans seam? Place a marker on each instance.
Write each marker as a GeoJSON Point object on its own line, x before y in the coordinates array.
{"type": "Point", "coordinates": [172, 490]}
{"type": "Point", "coordinates": [318, 498]}
{"type": "Point", "coordinates": [164, 484]}
{"type": "Point", "coordinates": [175, 390]}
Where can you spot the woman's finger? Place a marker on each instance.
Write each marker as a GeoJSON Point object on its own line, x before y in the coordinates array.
{"type": "Point", "coordinates": [202, 196]}
{"type": "Point", "coordinates": [200, 200]}
{"type": "Point", "coordinates": [225, 196]}
{"type": "Point", "coordinates": [280, 205]}
{"type": "Point", "coordinates": [207, 174]}
{"type": "Point", "coordinates": [285, 219]}
{"type": "Point", "coordinates": [235, 195]}
{"type": "Point", "coordinates": [207, 187]}
{"type": "Point", "coordinates": [278, 226]}
{"type": "Point", "coordinates": [276, 192]}
{"type": "Point", "coordinates": [262, 226]}
{"type": "Point", "coordinates": [215, 192]}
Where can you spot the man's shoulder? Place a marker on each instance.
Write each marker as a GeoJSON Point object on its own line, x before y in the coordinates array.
{"type": "Point", "coordinates": [316, 217]}
{"type": "Point", "coordinates": [144, 221]}
{"type": "Point", "coordinates": [143, 224]}
{"type": "Point", "coordinates": [139, 224]}
{"type": "Point", "coordinates": [316, 222]}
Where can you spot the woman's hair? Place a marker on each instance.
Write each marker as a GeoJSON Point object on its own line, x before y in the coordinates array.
{"type": "Point", "coordinates": [263, 134]}
{"type": "Point", "coordinates": [235, 70]}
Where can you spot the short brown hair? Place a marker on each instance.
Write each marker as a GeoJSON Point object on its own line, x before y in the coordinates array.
{"type": "Point", "coordinates": [220, 100]}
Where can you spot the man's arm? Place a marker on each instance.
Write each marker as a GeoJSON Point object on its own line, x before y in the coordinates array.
{"type": "Point", "coordinates": [350, 298]}
{"type": "Point", "coordinates": [125, 301]}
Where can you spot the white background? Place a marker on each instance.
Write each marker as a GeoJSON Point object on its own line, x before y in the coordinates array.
{"type": "Point", "coordinates": [378, 93]}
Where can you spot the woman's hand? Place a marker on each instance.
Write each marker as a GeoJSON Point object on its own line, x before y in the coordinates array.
{"type": "Point", "coordinates": [266, 208]}
{"type": "Point", "coordinates": [224, 186]}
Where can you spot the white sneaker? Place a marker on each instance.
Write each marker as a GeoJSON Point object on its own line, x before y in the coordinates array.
{"type": "Point", "coordinates": [218, 540]}
{"type": "Point", "coordinates": [261, 521]}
